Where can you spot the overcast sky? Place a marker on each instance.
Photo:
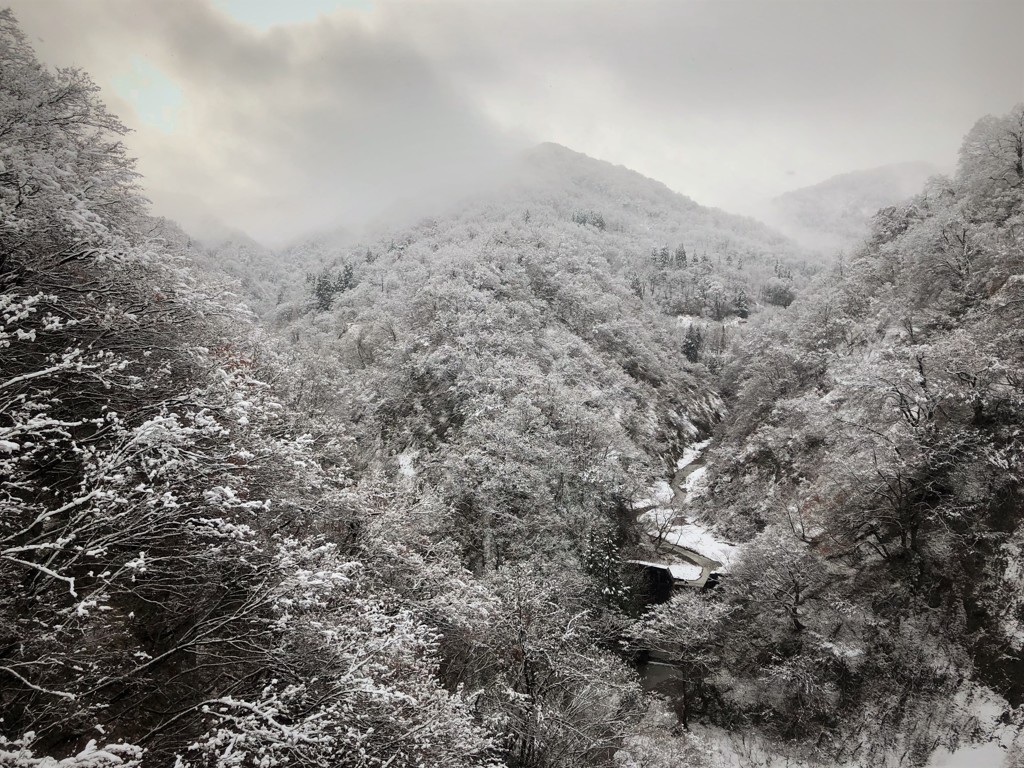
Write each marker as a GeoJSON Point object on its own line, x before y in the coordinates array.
{"type": "Point", "coordinates": [280, 117]}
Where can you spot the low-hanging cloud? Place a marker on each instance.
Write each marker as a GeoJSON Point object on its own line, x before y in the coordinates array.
{"type": "Point", "coordinates": [303, 127]}
{"type": "Point", "coordinates": [328, 122]}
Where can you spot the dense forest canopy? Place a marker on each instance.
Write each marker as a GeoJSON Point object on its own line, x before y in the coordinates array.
{"type": "Point", "coordinates": [373, 502]}
{"type": "Point", "coordinates": [871, 457]}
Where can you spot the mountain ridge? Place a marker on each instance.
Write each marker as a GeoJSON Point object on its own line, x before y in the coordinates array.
{"type": "Point", "coordinates": [633, 218]}
{"type": "Point", "coordinates": [834, 214]}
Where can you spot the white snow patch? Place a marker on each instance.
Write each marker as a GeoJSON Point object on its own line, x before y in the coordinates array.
{"type": "Point", "coordinates": [991, 755]}
{"type": "Point", "coordinates": [691, 454]}
{"type": "Point", "coordinates": [685, 571]}
{"type": "Point", "coordinates": [742, 750]}
{"type": "Point", "coordinates": [703, 541]}
{"type": "Point", "coordinates": [842, 650]}
{"type": "Point", "coordinates": [658, 495]}
{"type": "Point", "coordinates": [662, 493]}
{"type": "Point", "coordinates": [657, 518]}
{"type": "Point", "coordinates": [405, 463]}
{"type": "Point", "coordinates": [694, 486]}
{"type": "Point", "coordinates": [988, 707]}
{"type": "Point", "coordinates": [681, 571]}
{"type": "Point", "coordinates": [685, 321]}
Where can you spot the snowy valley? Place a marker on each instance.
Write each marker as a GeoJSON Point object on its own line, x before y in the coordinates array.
{"type": "Point", "coordinates": [574, 472]}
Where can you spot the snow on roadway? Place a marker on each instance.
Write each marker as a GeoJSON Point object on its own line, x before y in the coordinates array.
{"type": "Point", "coordinates": [703, 541]}
{"type": "Point", "coordinates": [685, 571]}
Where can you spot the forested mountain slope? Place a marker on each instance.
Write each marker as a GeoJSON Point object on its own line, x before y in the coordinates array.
{"type": "Point", "coordinates": [672, 254]}
{"type": "Point", "coordinates": [387, 536]}
{"type": "Point", "coordinates": [183, 580]}
{"type": "Point", "coordinates": [501, 356]}
{"type": "Point", "coordinates": [522, 355]}
{"type": "Point", "coordinates": [872, 461]}
{"type": "Point", "coordinates": [369, 504]}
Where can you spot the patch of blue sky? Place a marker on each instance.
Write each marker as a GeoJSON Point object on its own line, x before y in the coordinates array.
{"type": "Point", "coordinates": [153, 95]}
{"type": "Point", "coordinates": [264, 14]}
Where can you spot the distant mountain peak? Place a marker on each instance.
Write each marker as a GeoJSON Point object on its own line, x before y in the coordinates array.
{"type": "Point", "coordinates": [903, 179]}
{"type": "Point", "coordinates": [836, 213]}
{"type": "Point", "coordinates": [568, 168]}
{"type": "Point", "coordinates": [550, 152]}
{"type": "Point", "coordinates": [555, 147]}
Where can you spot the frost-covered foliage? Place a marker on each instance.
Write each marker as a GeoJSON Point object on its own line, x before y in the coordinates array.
{"type": "Point", "coordinates": [545, 686]}
{"type": "Point", "coordinates": [385, 529]}
{"type": "Point", "coordinates": [536, 394]}
{"type": "Point", "coordinates": [180, 580]}
{"type": "Point", "coordinates": [872, 462]}
{"type": "Point", "coordinates": [658, 247]}
{"type": "Point", "coordinates": [18, 754]}
{"type": "Point", "coordinates": [660, 742]}
{"type": "Point", "coordinates": [508, 394]}
{"type": "Point", "coordinates": [358, 683]}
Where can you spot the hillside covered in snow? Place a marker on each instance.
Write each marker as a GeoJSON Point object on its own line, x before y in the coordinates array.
{"type": "Point", "coordinates": [575, 473]}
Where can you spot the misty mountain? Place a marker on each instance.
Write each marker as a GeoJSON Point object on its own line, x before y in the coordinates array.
{"type": "Point", "coordinates": [575, 474]}
{"type": "Point", "coordinates": [835, 214]}
{"type": "Point", "coordinates": [260, 276]}
{"type": "Point", "coordinates": [565, 180]}
{"type": "Point", "coordinates": [683, 258]}
{"type": "Point", "coordinates": [645, 232]}
{"type": "Point", "coordinates": [240, 264]}
{"type": "Point", "coordinates": [548, 286]}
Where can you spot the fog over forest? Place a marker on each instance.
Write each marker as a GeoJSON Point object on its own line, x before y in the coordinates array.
{"type": "Point", "coordinates": [293, 117]}
{"type": "Point", "coordinates": [569, 384]}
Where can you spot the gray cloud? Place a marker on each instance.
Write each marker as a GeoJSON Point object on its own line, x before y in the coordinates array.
{"type": "Point", "coordinates": [305, 127]}
{"type": "Point", "coordinates": [329, 122]}
{"type": "Point", "coordinates": [721, 99]}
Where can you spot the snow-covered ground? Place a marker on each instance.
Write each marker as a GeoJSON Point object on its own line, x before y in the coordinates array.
{"type": "Point", "coordinates": [1006, 740]}
{"type": "Point", "coordinates": [406, 467]}
{"type": "Point", "coordinates": [691, 454]}
{"type": "Point", "coordinates": [694, 484]}
{"type": "Point", "coordinates": [703, 541]}
{"type": "Point", "coordinates": [722, 749]}
{"type": "Point", "coordinates": [989, 755]}
{"type": "Point", "coordinates": [718, 748]}
{"type": "Point", "coordinates": [685, 571]}
{"type": "Point", "coordinates": [659, 496]}
{"type": "Point", "coordinates": [663, 519]}
{"type": "Point", "coordinates": [745, 750]}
